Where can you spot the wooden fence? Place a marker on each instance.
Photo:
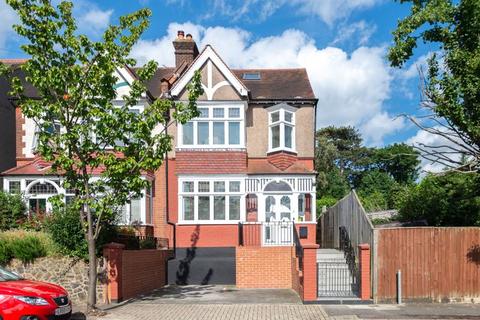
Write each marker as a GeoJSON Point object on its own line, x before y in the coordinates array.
{"type": "Point", "coordinates": [350, 214]}
{"type": "Point", "coordinates": [437, 264]}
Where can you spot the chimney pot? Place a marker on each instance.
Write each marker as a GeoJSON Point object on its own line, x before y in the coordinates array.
{"type": "Point", "coordinates": [180, 34]}
{"type": "Point", "coordinates": [189, 36]}
{"type": "Point", "coordinates": [185, 49]}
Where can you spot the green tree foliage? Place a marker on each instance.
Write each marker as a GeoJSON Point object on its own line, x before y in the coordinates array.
{"type": "Point", "coordinates": [451, 199]}
{"type": "Point", "coordinates": [452, 83]}
{"type": "Point", "coordinates": [12, 210]}
{"type": "Point", "coordinates": [75, 80]}
{"type": "Point", "coordinates": [343, 162]}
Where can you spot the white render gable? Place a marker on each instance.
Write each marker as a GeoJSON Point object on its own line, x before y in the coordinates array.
{"type": "Point", "coordinates": [209, 57]}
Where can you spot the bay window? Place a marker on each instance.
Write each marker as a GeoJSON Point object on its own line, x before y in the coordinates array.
{"type": "Point", "coordinates": [217, 126]}
{"type": "Point", "coordinates": [281, 122]}
{"type": "Point", "coordinates": [206, 200]}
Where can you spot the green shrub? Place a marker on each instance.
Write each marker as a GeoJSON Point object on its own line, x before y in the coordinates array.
{"type": "Point", "coordinates": [5, 252]}
{"type": "Point", "coordinates": [27, 249]}
{"type": "Point", "coordinates": [148, 243]}
{"type": "Point", "coordinates": [450, 199]}
{"type": "Point", "coordinates": [12, 210]}
{"type": "Point", "coordinates": [66, 230]}
{"type": "Point", "coordinates": [43, 237]}
{"type": "Point", "coordinates": [326, 201]}
{"type": "Point", "coordinates": [374, 201]}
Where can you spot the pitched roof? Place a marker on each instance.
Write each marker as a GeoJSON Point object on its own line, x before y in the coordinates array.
{"type": "Point", "coordinates": [274, 84]}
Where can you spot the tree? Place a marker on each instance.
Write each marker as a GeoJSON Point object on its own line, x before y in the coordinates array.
{"type": "Point", "coordinates": [12, 210]}
{"type": "Point", "coordinates": [75, 80]}
{"type": "Point", "coordinates": [451, 86]}
{"type": "Point", "coordinates": [398, 160]}
{"type": "Point", "coordinates": [451, 199]}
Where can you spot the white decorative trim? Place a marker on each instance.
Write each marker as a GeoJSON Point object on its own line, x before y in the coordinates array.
{"type": "Point", "coordinates": [208, 54]}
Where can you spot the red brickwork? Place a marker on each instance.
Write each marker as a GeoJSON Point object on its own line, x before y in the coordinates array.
{"type": "Point", "coordinates": [133, 272]}
{"type": "Point", "coordinates": [264, 267]}
{"type": "Point", "coordinates": [364, 251]}
{"type": "Point", "coordinates": [310, 272]}
{"type": "Point", "coordinates": [312, 232]}
{"type": "Point", "coordinates": [297, 276]}
{"type": "Point", "coordinates": [282, 160]}
{"type": "Point", "coordinates": [159, 204]}
{"type": "Point", "coordinates": [211, 162]}
{"type": "Point", "coordinates": [214, 235]}
{"type": "Point", "coordinates": [19, 133]}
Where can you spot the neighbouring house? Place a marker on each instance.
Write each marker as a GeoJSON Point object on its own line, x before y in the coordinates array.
{"type": "Point", "coordinates": [241, 174]}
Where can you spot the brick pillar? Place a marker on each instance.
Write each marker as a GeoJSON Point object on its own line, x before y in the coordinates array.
{"type": "Point", "coordinates": [364, 251]}
{"type": "Point", "coordinates": [310, 272]}
{"type": "Point", "coordinates": [113, 253]}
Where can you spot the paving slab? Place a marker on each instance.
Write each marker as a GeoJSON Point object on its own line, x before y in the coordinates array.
{"type": "Point", "coordinates": [406, 311]}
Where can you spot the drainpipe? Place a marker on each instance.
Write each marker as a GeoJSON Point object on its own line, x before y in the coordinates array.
{"type": "Point", "coordinates": [167, 208]}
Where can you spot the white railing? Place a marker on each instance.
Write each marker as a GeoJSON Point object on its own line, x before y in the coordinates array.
{"type": "Point", "coordinates": [277, 233]}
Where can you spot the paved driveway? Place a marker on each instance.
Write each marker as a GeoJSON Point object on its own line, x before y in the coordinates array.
{"type": "Point", "coordinates": [216, 302]}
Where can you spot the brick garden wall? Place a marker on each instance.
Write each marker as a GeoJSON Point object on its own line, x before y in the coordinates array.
{"type": "Point", "coordinates": [264, 267]}
{"type": "Point", "coordinates": [143, 271]}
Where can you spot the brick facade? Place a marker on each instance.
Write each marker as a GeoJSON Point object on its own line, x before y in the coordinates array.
{"type": "Point", "coordinates": [19, 133]}
{"type": "Point", "coordinates": [214, 235]}
{"type": "Point", "coordinates": [282, 160]}
{"type": "Point", "coordinates": [211, 162]}
{"type": "Point", "coordinates": [265, 267]}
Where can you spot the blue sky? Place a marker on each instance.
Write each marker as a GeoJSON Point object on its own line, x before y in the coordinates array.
{"type": "Point", "coordinates": [342, 43]}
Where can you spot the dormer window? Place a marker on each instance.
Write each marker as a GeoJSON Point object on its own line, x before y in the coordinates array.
{"type": "Point", "coordinates": [281, 120]}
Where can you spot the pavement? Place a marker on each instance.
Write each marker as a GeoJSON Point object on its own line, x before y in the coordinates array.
{"type": "Point", "coordinates": [406, 311]}
{"type": "Point", "coordinates": [231, 303]}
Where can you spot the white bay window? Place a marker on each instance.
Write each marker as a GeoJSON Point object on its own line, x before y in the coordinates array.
{"type": "Point", "coordinates": [210, 201]}
{"type": "Point", "coordinates": [219, 126]}
{"type": "Point", "coordinates": [281, 123]}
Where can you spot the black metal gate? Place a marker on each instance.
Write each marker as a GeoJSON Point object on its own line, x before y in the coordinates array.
{"type": "Point", "coordinates": [336, 280]}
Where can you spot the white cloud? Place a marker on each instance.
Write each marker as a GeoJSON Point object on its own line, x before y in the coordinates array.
{"type": "Point", "coordinates": [351, 88]}
{"type": "Point", "coordinates": [359, 32]}
{"type": "Point", "coordinates": [94, 21]}
{"type": "Point", "coordinates": [329, 11]}
{"type": "Point", "coordinates": [9, 18]}
{"type": "Point", "coordinates": [423, 138]}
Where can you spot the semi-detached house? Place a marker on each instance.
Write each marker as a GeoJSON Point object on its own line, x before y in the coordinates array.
{"type": "Point", "coordinates": [239, 174]}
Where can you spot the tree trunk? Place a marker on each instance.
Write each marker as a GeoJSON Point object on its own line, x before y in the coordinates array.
{"type": "Point", "coordinates": [92, 271]}
{"type": "Point", "coordinates": [92, 262]}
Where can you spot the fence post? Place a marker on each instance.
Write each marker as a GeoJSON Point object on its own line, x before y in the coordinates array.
{"type": "Point", "coordinates": [113, 253]}
{"type": "Point", "coordinates": [364, 257]}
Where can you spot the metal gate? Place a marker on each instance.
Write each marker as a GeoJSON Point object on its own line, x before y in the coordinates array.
{"type": "Point", "coordinates": [336, 280]}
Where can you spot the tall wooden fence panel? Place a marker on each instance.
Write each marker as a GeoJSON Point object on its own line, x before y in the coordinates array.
{"type": "Point", "coordinates": [436, 264]}
{"type": "Point", "coordinates": [350, 214]}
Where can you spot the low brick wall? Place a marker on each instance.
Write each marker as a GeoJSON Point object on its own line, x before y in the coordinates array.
{"type": "Point", "coordinates": [70, 273]}
{"type": "Point", "coordinates": [133, 272]}
{"type": "Point", "coordinates": [143, 271]}
{"type": "Point", "coordinates": [265, 267]}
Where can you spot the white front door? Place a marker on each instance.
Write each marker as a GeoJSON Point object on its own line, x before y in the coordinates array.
{"type": "Point", "coordinates": [278, 228]}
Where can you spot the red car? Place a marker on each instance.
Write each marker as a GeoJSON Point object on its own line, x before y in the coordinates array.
{"type": "Point", "coordinates": [22, 299]}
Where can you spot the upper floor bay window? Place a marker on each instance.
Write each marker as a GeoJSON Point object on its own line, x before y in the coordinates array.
{"type": "Point", "coordinates": [205, 200]}
{"type": "Point", "coordinates": [216, 126]}
{"type": "Point", "coordinates": [281, 128]}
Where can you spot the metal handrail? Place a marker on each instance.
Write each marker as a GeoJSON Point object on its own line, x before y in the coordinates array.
{"type": "Point", "coordinates": [298, 246]}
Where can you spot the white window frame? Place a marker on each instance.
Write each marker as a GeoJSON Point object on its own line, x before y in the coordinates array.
{"type": "Point", "coordinates": [210, 119]}
{"type": "Point", "coordinates": [195, 194]}
{"type": "Point", "coordinates": [282, 123]}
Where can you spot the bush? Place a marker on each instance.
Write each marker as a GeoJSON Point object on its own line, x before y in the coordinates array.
{"type": "Point", "coordinates": [326, 201]}
{"type": "Point", "coordinates": [450, 199]}
{"type": "Point", "coordinates": [12, 210]}
{"type": "Point", "coordinates": [148, 243]}
{"type": "Point", "coordinates": [66, 230]}
{"type": "Point", "coordinates": [43, 237]}
{"type": "Point", "coordinates": [374, 201]}
{"type": "Point", "coordinates": [27, 249]}
{"type": "Point", "coordinates": [5, 252]}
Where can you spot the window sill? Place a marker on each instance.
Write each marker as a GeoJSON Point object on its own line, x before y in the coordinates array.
{"type": "Point", "coordinates": [278, 150]}
{"type": "Point", "coordinates": [210, 148]}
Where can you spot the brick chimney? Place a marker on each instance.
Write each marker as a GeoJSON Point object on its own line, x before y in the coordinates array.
{"type": "Point", "coordinates": [185, 48]}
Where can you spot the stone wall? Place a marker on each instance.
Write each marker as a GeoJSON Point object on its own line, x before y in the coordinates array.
{"type": "Point", "coordinates": [70, 273]}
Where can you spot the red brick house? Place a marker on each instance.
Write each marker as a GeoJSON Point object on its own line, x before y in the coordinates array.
{"type": "Point", "coordinates": [239, 175]}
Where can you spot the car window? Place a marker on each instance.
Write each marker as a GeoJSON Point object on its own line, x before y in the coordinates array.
{"type": "Point", "coordinates": [6, 275]}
